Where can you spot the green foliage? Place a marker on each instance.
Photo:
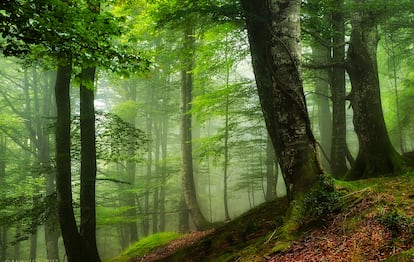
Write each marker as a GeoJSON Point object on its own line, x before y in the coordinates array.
{"type": "Point", "coordinates": [146, 245]}
{"type": "Point", "coordinates": [322, 201]}
{"type": "Point", "coordinates": [34, 210]}
{"type": "Point", "coordinates": [177, 12]}
{"type": "Point", "coordinates": [36, 29]}
{"type": "Point", "coordinates": [115, 139]}
{"type": "Point", "coordinates": [397, 222]}
{"type": "Point", "coordinates": [405, 256]}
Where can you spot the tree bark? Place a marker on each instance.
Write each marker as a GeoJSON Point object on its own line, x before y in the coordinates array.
{"type": "Point", "coordinates": [183, 216]}
{"type": "Point", "coordinates": [339, 147]}
{"type": "Point", "coordinates": [284, 106]}
{"type": "Point", "coordinates": [376, 154]}
{"type": "Point", "coordinates": [285, 109]}
{"type": "Point", "coordinates": [271, 178]}
{"type": "Point", "coordinates": [71, 237]}
{"type": "Point", "coordinates": [88, 165]}
{"type": "Point", "coordinates": [188, 183]}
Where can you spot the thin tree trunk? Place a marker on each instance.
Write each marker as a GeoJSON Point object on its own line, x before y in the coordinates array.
{"type": "Point", "coordinates": [376, 154]}
{"type": "Point", "coordinates": [17, 245]}
{"type": "Point", "coordinates": [321, 55]}
{"type": "Point", "coordinates": [145, 220]}
{"type": "Point", "coordinates": [32, 144]}
{"type": "Point", "coordinates": [88, 157]}
{"type": "Point", "coordinates": [131, 170]}
{"type": "Point", "coordinates": [71, 237]}
{"type": "Point", "coordinates": [188, 182]}
{"type": "Point", "coordinates": [88, 165]}
{"type": "Point", "coordinates": [33, 246]}
{"type": "Point", "coordinates": [3, 229]}
{"type": "Point", "coordinates": [339, 148]}
{"type": "Point", "coordinates": [163, 174]}
{"type": "Point", "coordinates": [3, 242]}
{"type": "Point", "coordinates": [51, 226]}
{"type": "Point", "coordinates": [155, 200]}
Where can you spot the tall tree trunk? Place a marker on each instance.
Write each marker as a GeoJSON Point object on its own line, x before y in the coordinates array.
{"type": "Point", "coordinates": [339, 148]}
{"type": "Point", "coordinates": [145, 219]}
{"type": "Point", "coordinates": [88, 165]}
{"type": "Point", "coordinates": [321, 55]}
{"type": "Point", "coordinates": [33, 246]}
{"type": "Point", "coordinates": [157, 160]}
{"type": "Point", "coordinates": [163, 174]}
{"type": "Point", "coordinates": [284, 109]}
{"type": "Point", "coordinates": [32, 144]}
{"type": "Point", "coordinates": [88, 156]}
{"type": "Point", "coordinates": [71, 237]}
{"type": "Point", "coordinates": [3, 228]}
{"type": "Point", "coordinates": [131, 170]}
{"type": "Point", "coordinates": [188, 182]}
{"type": "Point", "coordinates": [51, 225]}
{"type": "Point", "coordinates": [376, 154]}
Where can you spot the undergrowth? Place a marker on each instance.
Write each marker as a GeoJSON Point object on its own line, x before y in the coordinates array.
{"type": "Point", "coordinates": [323, 201]}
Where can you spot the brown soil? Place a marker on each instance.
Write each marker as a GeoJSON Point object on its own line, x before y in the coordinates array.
{"type": "Point", "coordinates": [354, 234]}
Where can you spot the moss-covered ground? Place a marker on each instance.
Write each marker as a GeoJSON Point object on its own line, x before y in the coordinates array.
{"type": "Point", "coordinates": [372, 220]}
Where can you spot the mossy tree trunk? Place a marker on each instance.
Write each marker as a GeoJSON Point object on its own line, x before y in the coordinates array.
{"type": "Point", "coordinates": [284, 106]}
{"type": "Point", "coordinates": [376, 154]}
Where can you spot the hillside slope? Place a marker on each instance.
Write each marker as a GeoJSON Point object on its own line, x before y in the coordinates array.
{"type": "Point", "coordinates": [373, 221]}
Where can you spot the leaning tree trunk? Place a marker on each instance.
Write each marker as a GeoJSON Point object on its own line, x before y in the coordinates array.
{"type": "Point", "coordinates": [189, 188]}
{"type": "Point", "coordinates": [376, 154]}
{"type": "Point", "coordinates": [285, 109]}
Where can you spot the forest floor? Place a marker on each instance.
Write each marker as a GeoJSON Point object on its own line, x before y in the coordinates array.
{"type": "Point", "coordinates": [375, 222]}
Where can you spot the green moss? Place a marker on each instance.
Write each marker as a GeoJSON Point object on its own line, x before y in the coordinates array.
{"type": "Point", "coordinates": [405, 256]}
{"type": "Point", "coordinates": [281, 246]}
{"type": "Point", "coordinates": [146, 245]}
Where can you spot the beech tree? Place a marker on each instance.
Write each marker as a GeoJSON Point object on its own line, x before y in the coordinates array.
{"type": "Point", "coordinates": [376, 155]}
{"type": "Point", "coordinates": [274, 34]}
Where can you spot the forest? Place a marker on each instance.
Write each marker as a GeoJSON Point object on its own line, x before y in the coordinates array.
{"type": "Point", "coordinates": [243, 127]}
